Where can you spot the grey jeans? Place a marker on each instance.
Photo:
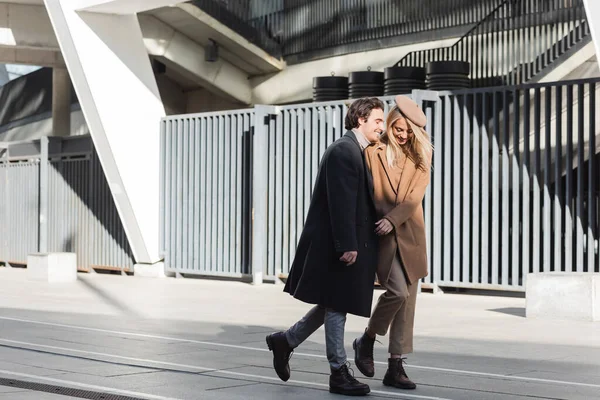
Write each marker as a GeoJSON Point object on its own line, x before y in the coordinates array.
{"type": "Point", "coordinates": [335, 323]}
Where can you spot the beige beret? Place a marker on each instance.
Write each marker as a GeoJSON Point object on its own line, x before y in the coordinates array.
{"type": "Point", "coordinates": [411, 110]}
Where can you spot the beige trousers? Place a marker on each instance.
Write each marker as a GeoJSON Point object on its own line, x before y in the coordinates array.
{"type": "Point", "coordinates": [396, 310]}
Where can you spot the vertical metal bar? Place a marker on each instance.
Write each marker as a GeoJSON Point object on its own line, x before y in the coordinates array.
{"type": "Point", "coordinates": [485, 187]}
{"type": "Point", "coordinates": [221, 168]}
{"type": "Point", "coordinates": [547, 224]}
{"type": "Point", "coordinates": [228, 192]}
{"type": "Point", "coordinates": [447, 274]}
{"type": "Point", "coordinates": [214, 198]}
{"type": "Point", "coordinates": [219, 189]}
{"type": "Point", "coordinates": [456, 211]}
{"type": "Point", "coordinates": [559, 199]}
{"type": "Point", "coordinates": [301, 174]}
{"type": "Point", "coordinates": [179, 203]}
{"type": "Point", "coordinates": [285, 184]}
{"type": "Point", "coordinates": [168, 186]}
{"type": "Point", "coordinates": [205, 211]}
{"type": "Point", "coordinates": [569, 267]}
{"type": "Point", "coordinates": [437, 190]}
{"type": "Point", "coordinates": [185, 136]}
{"type": "Point", "coordinates": [592, 228]}
{"type": "Point", "coordinates": [315, 153]}
{"type": "Point", "coordinates": [197, 220]}
{"type": "Point", "coordinates": [467, 263]}
{"type": "Point", "coordinates": [210, 211]}
{"type": "Point", "coordinates": [495, 194]}
{"type": "Point", "coordinates": [525, 165]}
{"type": "Point", "coordinates": [272, 143]}
{"type": "Point", "coordinates": [244, 175]}
{"type": "Point", "coordinates": [475, 238]}
{"type": "Point", "coordinates": [43, 190]}
{"type": "Point", "coordinates": [260, 193]}
{"type": "Point", "coordinates": [516, 261]}
{"type": "Point", "coordinates": [279, 192]}
{"type": "Point", "coordinates": [307, 138]}
{"type": "Point", "coordinates": [580, 219]}
{"type": "Point", "coordinates": [505, 238]}
{"type": "Point", "coordinates": [161, 190]}
{"type": "Point", "coordinates": [294, 190]}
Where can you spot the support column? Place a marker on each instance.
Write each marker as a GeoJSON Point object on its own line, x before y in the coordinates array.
{"type": "Point", "coordinates": [592, 10]}
{"type": "Point", "coordinates": [112, 76]}
{"type": "Point", "coordinates": [61, 102]}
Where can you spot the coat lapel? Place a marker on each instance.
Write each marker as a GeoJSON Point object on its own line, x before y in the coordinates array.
{"type": "Point", "coordinates": [409, 173]}
{"type": "Point", "coordinates": [388, 173]}
{"type": "Point", "coordinates": [368, 175]}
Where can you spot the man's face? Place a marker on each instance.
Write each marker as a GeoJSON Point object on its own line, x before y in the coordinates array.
{"type": "Point", "coordinates": [372, 127]}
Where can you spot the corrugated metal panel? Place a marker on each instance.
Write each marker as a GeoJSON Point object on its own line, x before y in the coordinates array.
{"type": "Point", "coordinates": [4, 232]}
{"type": "Point", "coordinates": [108, 245]}
{"type": "Point", "coordinates": [22, 210]}
{"type": "Point", "coordinates": [204, 202]}
{"type": "Point", "coordinates": [82, 217]}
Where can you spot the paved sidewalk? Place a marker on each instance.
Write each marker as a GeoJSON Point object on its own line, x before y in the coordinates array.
{"type": "Point", "coordinates": [203, 339]}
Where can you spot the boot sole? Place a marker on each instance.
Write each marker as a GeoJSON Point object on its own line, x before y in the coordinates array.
{"type": "Point", "coordinates": [350, 393]}
{"type": "Point", "coordinates": [357, 364]}
{"type": "Point", "coordinates": [386, 383]}
{"type": "Point", "coordinates": [270, 346]}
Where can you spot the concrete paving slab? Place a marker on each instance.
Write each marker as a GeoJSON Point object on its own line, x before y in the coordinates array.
{"type": "Point", "coordinates": [159, 337]}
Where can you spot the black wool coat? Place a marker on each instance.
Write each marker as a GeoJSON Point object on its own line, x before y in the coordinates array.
{"type": "Point", "coordinates": [341, 218]}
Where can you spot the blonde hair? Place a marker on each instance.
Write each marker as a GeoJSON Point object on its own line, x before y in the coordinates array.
{"type": "Point", "coordinates": [419, 148]}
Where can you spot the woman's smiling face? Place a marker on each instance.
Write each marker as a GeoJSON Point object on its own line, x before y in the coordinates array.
{"type": "Point", "coordinates": [402, 131]}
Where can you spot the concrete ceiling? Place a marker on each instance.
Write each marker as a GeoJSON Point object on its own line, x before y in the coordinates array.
{"type": "Point", "coordinates": [200, 27]}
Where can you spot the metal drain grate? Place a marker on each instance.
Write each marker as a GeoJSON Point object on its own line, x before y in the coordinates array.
{"type": "Point", "coordinates": [64, 391]}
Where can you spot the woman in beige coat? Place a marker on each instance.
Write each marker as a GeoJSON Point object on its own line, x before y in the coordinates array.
{"type": "Point", "coordinates": [400, 165]}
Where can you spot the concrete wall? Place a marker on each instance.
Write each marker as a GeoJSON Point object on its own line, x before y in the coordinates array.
{"type": "Point", "coordinates": [41, 125]}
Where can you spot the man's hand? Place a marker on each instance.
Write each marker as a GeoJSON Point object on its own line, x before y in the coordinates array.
{"type": "Point", "coordinates": [383, 227]}
{"type": "Point", "coordinates": [349, 257]}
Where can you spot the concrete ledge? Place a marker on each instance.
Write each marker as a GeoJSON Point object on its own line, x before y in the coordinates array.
{"type": "Point", "coordinates": [156, 270]}
{"type": "Point", "coordinates": [560, 295]}
{"type": "Point", "coordinates": [52, 267]}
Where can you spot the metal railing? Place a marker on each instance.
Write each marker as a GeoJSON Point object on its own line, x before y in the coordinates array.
{"type": "Point", "coordinates": [293, 27]}
{"type": "Point", "coordinates": [515, 42]}
{"type": "Point", "coordinates": [512, 190]}
{"type": "Point", "coordinates": [55, 198]}
{"type": "Point", "coordinates": [514, 186]}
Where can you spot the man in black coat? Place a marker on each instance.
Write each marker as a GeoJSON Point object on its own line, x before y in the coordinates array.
{"type": "Point", "coordinates": [335, 262]}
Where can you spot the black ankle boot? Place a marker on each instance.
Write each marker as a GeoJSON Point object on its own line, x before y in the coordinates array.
{"type": "Point", "coordinates": [341, 381]}
{"type": "Point", "coordinates": [396, 376]}
{"type": "Point", "coordinates": [363, 355]}
{"type": "Point", "coordinates": [282, 352]}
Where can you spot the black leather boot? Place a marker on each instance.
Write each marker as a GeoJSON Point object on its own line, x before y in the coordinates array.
{"type": "Point", "coordinates": [341, 381]}
{"type": "Point", "coordinates": [363, 355]}
{"type": "Point", "coordinates": [282, 352]}
{"type": "Point", "coordinates": [396, 376]}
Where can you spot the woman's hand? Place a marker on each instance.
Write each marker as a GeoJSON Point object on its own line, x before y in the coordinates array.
{"type": "Point", "coordinates": [383, 227]}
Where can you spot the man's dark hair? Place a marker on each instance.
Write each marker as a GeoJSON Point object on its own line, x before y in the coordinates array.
{"type": "Point", "coordinates": [361, 108]}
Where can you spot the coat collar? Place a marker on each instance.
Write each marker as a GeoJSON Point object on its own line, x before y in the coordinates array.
{"type": "Point", "coordinates": [351, 135]}
{"type": "Point", "coordinates": [407, 177]}
{"type": "Point", "coordinates": [368, 175]}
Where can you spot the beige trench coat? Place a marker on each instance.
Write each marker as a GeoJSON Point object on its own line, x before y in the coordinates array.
{"type": "Point", "coordinates": [399, 199]}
